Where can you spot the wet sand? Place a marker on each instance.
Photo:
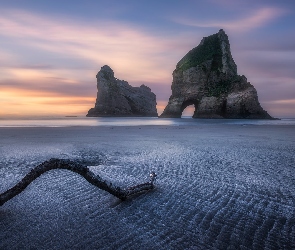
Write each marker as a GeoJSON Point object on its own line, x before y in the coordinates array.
{"type": "Point", "coordinates": [219, 186]}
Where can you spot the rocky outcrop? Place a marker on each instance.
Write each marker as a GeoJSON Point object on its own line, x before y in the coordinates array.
{"type": "Point", "coordinates": [207, 78]}
{"type": "Point", "coordinates": [117, 98]}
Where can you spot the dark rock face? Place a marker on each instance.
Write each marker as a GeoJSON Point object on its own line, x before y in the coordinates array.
{"type": "Point", "coordinates": [117, 98]}
{"type": "Point", "coordinates": [207, 78]}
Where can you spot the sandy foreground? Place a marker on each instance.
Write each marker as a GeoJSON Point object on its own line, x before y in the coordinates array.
{"type": "Point", "coordinates": [219, 187]}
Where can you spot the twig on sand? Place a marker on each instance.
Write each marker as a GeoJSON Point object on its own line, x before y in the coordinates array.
{"type": "Point", "coordinates": [82, 170]}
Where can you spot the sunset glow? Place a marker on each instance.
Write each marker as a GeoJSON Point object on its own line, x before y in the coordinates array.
{"type": "Point", "coordinates": [49, 58]}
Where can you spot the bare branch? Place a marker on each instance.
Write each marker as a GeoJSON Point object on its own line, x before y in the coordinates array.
{"type": "Point", "coordinates": [82, 170]}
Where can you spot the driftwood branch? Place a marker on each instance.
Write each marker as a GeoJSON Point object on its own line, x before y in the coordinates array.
{"type": "Point", "coordinates": [82, 170]}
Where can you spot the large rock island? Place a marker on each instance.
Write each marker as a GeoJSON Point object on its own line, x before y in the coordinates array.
{"type": "Point", "coordinates": [207, 78]}
{"type": "Point", "coordinates": [117, 98]}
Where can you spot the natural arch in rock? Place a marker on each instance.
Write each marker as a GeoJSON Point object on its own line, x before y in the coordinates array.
{"type": "Point", "coordinates": [207, 78]}
{"type": "Point", "coordinates": [189, 105]}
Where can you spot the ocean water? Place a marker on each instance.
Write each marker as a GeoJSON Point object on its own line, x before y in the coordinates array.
{"type": "Point", "coordinates": [132, 121]}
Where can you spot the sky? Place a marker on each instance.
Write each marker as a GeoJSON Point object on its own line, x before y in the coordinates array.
{"type": "Point", "coordinates": [51, 51]}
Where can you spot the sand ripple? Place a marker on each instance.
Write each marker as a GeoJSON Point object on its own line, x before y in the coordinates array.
{"type": "Point", "coordinates": [222, 194]}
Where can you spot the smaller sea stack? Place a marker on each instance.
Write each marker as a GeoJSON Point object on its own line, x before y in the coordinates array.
{"type": "Point", "coordinates": [119, 99]}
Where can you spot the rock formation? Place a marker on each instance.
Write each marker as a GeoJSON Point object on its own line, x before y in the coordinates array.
{"type": "Point", "coordinates": [117, 98]}
{"type": "Point", "coordinates": [207, 78]}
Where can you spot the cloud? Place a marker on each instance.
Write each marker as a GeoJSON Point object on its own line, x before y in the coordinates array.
{"type": "Point", "coordinates": [274, 64]}
{"type": "Point", "coordinates": [275, 93]}
{"type": "Point", "coordinates": [54, 57]}
{"type": "Point", "coordinates": [105, 42]}
{"type": "Point", "coordinates": [254, 20]}
{"type": "Point", "coordinates": [49, 87]}
{"type": "Point", "coordinates": [43, 59]}
{"type": "Point", "coordinates": [281, 108]}
{"type": "Point", "coordinates": [23, 103]}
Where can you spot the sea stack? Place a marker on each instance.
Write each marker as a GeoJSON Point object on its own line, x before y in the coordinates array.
{"type": "Point", "coordinates": [117, 98]}
{"type": "Point", "coordinates": [207, 78]}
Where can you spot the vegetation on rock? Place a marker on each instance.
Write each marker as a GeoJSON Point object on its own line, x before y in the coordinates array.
{"type": "Point", "coordinates": [208, 50]}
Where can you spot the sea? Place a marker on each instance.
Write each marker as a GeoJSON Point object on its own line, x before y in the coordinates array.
{"type": "Point", "coordinates": [132, 121]}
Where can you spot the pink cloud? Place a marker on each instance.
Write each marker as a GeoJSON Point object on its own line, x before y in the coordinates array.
{"type": "Point", "coordinates": [280, 108]}
{"type": "Point", "coordinates": [121, 46]}
{"type": "Point", "coordinates": [135, 55]}
{"type": "Point", "coordinates": [254, 20]}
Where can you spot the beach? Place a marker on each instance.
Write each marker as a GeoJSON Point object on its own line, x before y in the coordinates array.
{"type": "Point", "coordinates": [219, 186]}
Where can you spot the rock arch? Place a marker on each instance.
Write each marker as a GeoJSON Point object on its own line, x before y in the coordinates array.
{"type": "Point", "coordinates": [207, 78]}
{"type": "Point", "coordinates": [188, 103]}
